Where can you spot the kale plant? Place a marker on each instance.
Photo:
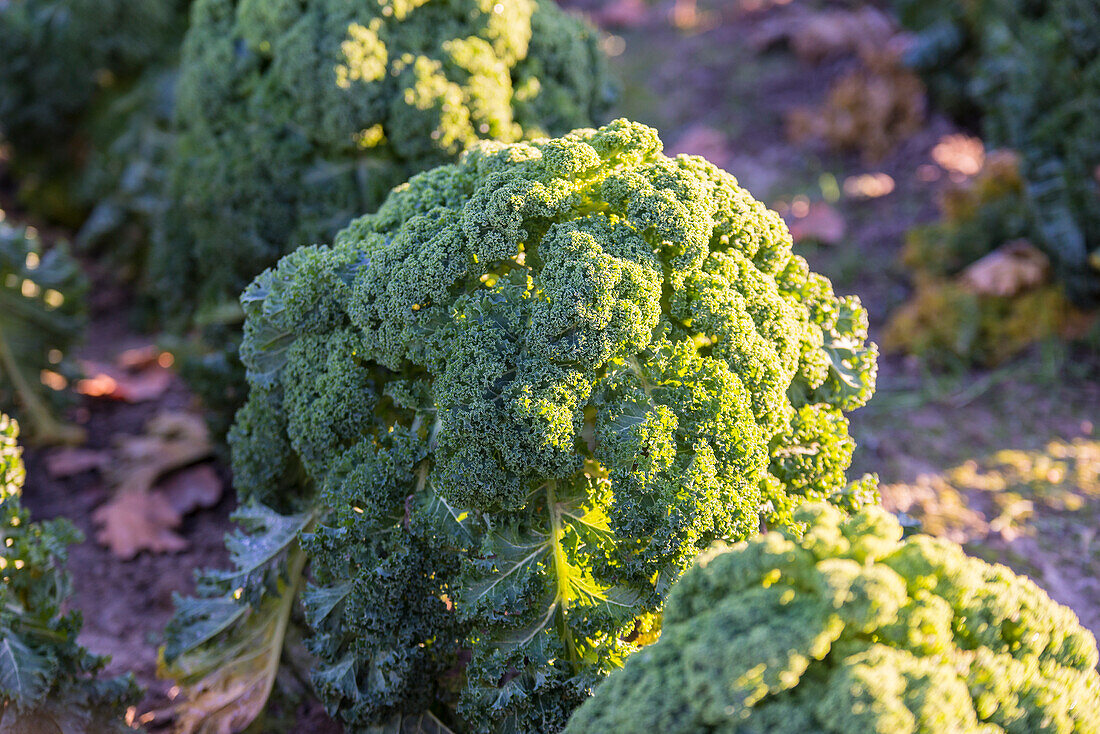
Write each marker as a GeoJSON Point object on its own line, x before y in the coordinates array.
{"type": "Point", "coordinates": [1030, 69]}
{"type": "Point", "coordinates": [41, 318]}
{"type": "Point", "coordinates": [61, 64]}
{"type": "Point", "coordinates": [48, 682]}
{"type": "Point", "coordinates": [498, 418]}
{"type": "Point", "coordinates": [295, 117]}
{"type": "Point", "coordinates": [847, 628]}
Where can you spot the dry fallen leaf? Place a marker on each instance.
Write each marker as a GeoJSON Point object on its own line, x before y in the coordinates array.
{"type": "Point", "coordinates": [1010, 269]}
{"type": "Point", "coordinates": [70, 462]}
{"type": "Point", "coordinates": [137, 518]}
{"type": "Point", "coordinates": [815, 35]}
{"type": "Point", "coordinates": [686, 16]}
{"type": "Point", "coordinates": [705, 141]}
{"type": "Point", "coordinates": [622, 14]}
{"type": "Point", "coordinates": [171, 441]}
{"type": "Point", "coordinates": [822, 224]}
{"type": "Point", "coordinates": [133, 521]}
{"type": "Point", "coordinates": [194, 488]}
{"type": "Point", "coordinates": [142, 358]}
{"type": "Point", "coordinates": [871, 109]}
{"type": "Point", "coordinates": [139, 387]}
{"type": "Point", "coordinates": [960, 153]}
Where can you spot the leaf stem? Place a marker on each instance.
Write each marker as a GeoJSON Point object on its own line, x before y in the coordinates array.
{"type": "Point", "coordinates": [561, 571]}
{"type": "Point", "coordinates": [44, 427]}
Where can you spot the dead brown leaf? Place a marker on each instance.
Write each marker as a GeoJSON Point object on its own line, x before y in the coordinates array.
{"type": "Point", "coordinates": [143, 358]}
{"type": "Point", "coordinates": [822, 224]}
{"type": "Point", "coordinates": [137, 518]}
{"type": "Point", "coordinates": [705, 141]}
{"type": "Point", "coordinates": [128, 386]}
{"type": "Point", "coordinates": [1012, 268]}
{"type": "Point", "coordinates": [172, 440]}
{"type": "Point", "coordinates": [70, 462]}
{"type": "Point", "coordinates": [686, 16]}
{"type": "Point", "coordinates": [816, 35]}
{"type": "Point", "coordinates": [133, 521]}
{"type": "Point", "coordinates": [871, 109]}
{"type": "Point", "coordinates": [960, 153]}
{"type": "Point", "coordinates": [194, 488]}
{"type": "Point", "coordinates": [622, 14]}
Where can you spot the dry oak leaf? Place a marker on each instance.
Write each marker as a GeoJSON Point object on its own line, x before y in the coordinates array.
{"type": "Point", "coordinates": [1010, 269]}
{"type": "Point", "coordinates": [133, 521]}
{"type": "Point", "coordinates": [108, 382]}
{"type": "Point", "coordinates": [141, 358]}
{"type": "Point", "coordinates": [194, 488]}
{"type": "Point", "coordinates": [815, 35]}
{"type": "Point", "coordinates": [871, 109]}
{"type": "Point", "coordinates": [69, 462]}
{"type": "Point", "coordinates": [136, 518]}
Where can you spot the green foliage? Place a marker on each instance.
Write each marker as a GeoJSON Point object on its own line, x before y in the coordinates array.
{"type": "Point", "coordinates": [294, 117]}
{"type": "Point", "coordinates": [123, 181]}
{"type": "Point", "coordinates": [950, 326]}
{"type": "Point", "coordinates": [946, 321]}
{"type": "Point", "coordinates": [47, 681]}
{"type": "Point", "coordinates": [976, 218]}
{"type": "Point", "coordinates": [850, 629]}
{"type": "Point", "coordinates": [1031, 69]}
{"type": "Point", "coordinates": [518, 400]}
{"type": "Point", "coordinates": [60, 62]}
{"type": "Point", "coordinates": [41, 318]}
{"type": "Point", "coordinates": [224, 646]}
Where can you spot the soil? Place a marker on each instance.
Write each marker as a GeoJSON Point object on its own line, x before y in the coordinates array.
{"type": "Point", "coordinates": [920, 424]}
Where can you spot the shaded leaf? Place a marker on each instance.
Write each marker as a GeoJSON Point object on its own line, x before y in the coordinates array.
{"type": "Point", "coordinates": [411, 724]}
{"type": "Point", "coordinates": [68, 462]}
{"type": "Point", "coordinates": [48, 681]}
{"type": "Point", "coordinates": [133, 521]}
{"type": "Point", "coordinates": [191, 489]}
{"type": "Point", "coordinates": [42, 316]}
{"type": "Point", "coordinates": [224, 648]}
{"type": "Point", "coordinates": [23, 672]}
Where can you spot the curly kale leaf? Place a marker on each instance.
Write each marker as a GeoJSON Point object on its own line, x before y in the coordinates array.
{"type": "Point", "coordinates": [47, 681]}
{"type": "Point", "coordinates": [41, 319]}
{"type": "Point", "coordinates": [847, 627]}
{"type": "Point", "coordinates": [224, 646]}
{"type": "Point", "coordinates": [294, 118]}
{"type": "Point", "coordinates": [520, 398]}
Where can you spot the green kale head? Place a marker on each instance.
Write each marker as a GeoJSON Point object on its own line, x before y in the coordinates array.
{"type": "Point", "coordinates": [61, 62]}
{"type": "Point", "coordinates": [517, 401]}
{"type": "Point", "coordinates": [47, 681]}
{"type": "Point", "coordinates": [42, 317]}
{"type": "Point", "coordinates": [848, 628]}
{"type": "Point", "coordinates": [293, 117]}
